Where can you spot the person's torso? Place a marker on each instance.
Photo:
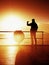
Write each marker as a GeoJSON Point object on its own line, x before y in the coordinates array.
{"type": "Point", "coordinates": [34, 26]}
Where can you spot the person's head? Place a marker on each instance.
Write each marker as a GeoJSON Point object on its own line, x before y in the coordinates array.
{"type": "Point", "coordinates": [33, 20]}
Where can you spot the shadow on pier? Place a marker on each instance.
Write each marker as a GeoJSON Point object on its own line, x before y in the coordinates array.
{"type": "Point", "coordinates": [33, 55]}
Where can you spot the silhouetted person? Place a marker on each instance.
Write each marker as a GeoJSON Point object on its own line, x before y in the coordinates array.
{"type": "Point", "coordinates": [33, 30]}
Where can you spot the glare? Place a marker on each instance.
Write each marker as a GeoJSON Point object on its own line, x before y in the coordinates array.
{"type": "Point", "coordinates": [7, 38]}
{"type": "Point", "coordinates": [10, 39]}
{"type": "Point", "coordinates": [12, 22]}
{"type": "Point", "coordinates": [11, 54]}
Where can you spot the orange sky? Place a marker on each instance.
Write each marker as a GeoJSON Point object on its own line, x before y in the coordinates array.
{"type": "Point", "coordinates": [28, 9]}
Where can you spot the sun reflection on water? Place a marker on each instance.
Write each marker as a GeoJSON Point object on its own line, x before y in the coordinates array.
{"type": "Point", "coordinates": [8, 54]}
{"type": "Point", "coordinates": [7, 39]}
{"type": "Point", "coordinates": [11, 54]}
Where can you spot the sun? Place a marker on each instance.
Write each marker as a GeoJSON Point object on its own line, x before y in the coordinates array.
{"type": "Point", "coordinates": [12, 22]}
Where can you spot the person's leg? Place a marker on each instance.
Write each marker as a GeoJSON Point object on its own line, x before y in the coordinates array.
{"type": "Point", "coordinates": [35, 40]}
{"type": "Point", "coordinates": [31, 37]}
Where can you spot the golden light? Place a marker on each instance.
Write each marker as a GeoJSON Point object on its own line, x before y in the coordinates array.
{"type": "Point", "coordinates": [12, 22]}
{"type": "Point", "coordinates": [11, 54]}
{"type": "Point", "coordinates": [10, 39]}
{"type": "Point", "coordinates": [7, 38]}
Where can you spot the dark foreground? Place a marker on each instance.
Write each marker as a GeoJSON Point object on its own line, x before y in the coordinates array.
{"type": "Point", "coordinates": [28, 55]}
{"type": "Point", "coordinates": [33, 55]}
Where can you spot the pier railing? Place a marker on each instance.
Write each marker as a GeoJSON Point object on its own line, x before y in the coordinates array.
{"type": "Point", "coordinates": [41, 36]}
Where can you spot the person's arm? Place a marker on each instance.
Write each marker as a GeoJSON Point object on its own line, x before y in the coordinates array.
{"type": "Point", "coordinates": [28, 23]}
